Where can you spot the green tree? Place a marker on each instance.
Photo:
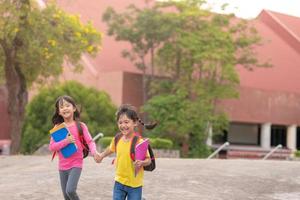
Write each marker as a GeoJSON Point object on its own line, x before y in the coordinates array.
{"type": "Point", "coordinates": [97, 111]}
{"type": "Point", "coordinates": [200, 59]}
{"type": "Point", "coordinates": [145, 29]}
{"type": "Point", "coordinates": [34, 43]}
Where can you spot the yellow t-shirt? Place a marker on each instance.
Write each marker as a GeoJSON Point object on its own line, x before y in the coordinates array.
{"type": "Point", "coordinates": [124, 165]}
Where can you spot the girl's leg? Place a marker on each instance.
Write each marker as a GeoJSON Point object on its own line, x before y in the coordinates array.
{"type": "Point", "coordinates": [63, 175]}
{"type": "Point", "coordinates": [134, 193]}
{"type": "Point", "coordinates": [74, 175]}
{"type": "Point", "coordinates": [119, 192]}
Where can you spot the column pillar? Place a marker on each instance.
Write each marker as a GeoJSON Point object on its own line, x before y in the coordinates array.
{"type": "Point", "coordinates": [265, 136]}
{"type": "Point", "coordinates": [209, 141]}
{"type": "Point", "coordinates": [291, 137]}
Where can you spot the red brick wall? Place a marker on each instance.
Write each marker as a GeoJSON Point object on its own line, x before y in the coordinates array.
{"type": "Point", "coordinates": [261, 106]}
{"type": "Point", "coordinates": [133, 89]}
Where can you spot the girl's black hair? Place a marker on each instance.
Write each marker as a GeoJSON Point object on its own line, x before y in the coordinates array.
{"type": "Point", "coordinates": [57, 119]}
{"type": "Point", "coordinates": [131, 113]}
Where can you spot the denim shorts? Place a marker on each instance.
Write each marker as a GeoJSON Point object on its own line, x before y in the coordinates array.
{"type": "Point", "coordinates": [122, 191]}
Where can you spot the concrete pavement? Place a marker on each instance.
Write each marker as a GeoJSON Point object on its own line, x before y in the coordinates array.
{"type": "Point", "coordinates": [36, 178]}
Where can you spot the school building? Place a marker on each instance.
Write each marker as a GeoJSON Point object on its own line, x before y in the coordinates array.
{"type": "Point", "coordinates": [267, 112]}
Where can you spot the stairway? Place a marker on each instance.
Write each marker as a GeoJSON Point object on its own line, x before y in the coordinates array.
{"type": "Point", "coordinates": [280, 154]}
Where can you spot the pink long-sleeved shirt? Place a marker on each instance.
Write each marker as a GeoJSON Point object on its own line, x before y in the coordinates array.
{"type": "Point", "coordinates": [76, 160]}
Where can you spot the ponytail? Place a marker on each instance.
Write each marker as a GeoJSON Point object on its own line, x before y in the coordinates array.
{"type": "Point", "coordinates": [131, 113]}
{"type": "Point", "coordinates": [147, 126]}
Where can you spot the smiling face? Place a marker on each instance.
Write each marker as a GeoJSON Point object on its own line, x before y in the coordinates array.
{"type": "Point", "coordinates": [126, 125]}
{"type": "Point", "coordinates": [66, 110]}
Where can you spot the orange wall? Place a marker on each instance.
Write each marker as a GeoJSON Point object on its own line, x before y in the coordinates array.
{"type": "Point", "coordinates": [112, 83]}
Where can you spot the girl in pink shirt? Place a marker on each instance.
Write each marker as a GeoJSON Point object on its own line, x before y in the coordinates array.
{"type": "Point", "coordinates": [70, 168]}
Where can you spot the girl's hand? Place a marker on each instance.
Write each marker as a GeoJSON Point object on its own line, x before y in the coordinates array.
{"type": "Point", "coordinates": [97, 157]}
{"type": "Point", "coordinates": [139, 163]}
{"type": "Point", "coordinates": [142, 163]}
{"type": "Point", "coordinates": [101, 156]}
{"type": "Point", "coordinates": [70, 138]}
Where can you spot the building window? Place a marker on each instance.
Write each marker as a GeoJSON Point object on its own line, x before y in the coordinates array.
{"type": "Point", "coordinates": [220, 138]}
{"type": "Point", "coordinates": [298, 138]}
{"type": "Point", "coordinates": [278, 135]}
{"type": "Point", "coordinates": [243, 134]}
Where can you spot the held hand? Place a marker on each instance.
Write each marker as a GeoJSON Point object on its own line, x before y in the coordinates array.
{"type": "Point", "coordinates": [97, 157]}
{"type": "Point", "coordinates": [70, 138]}
{"type": "Point", "coordinates": [102, 155]}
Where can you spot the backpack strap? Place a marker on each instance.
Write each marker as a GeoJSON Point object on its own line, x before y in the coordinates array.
{"type": "Point", "coordinates": [53, 155]}
{"type": "Point", "coordinates": [117, 139]}
{"type": "Point", "coordinates": [81, 136]}
{"type": "Point", "coordinates": [134, 141]}
{"type": "Point", "coordinates": [152, 165]}
{"type": "Point", "coordinates": [79, 128]}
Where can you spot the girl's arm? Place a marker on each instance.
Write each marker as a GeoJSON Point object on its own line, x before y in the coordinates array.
{"type": "Point", "coordinates": [88, 138]}
{"type": "Point", "coordinates": [109, 150]}
{"type": "Point", "coordinates": [142, 163]}
{"type": "Point", "coordinates": [56, 146]}
{"type": "Point", "coordinates": [92, 145]}
{"type": "Point", "coordinates": [105, 153]}
{"type": "Point", "coordinates": [146, 162]}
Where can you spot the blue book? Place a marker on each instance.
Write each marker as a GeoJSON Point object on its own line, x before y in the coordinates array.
{"type": "Point", "coordinates": [59, 133]}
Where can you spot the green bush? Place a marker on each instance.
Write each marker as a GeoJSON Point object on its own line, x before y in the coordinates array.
{"type": "Point", "coordinates": [160, 143]}
{"type": "Point", "coordinates": [156, 143]}
{"type": "Point", "coordinates": [105, 141]}
{"type": "Point", "coordinates": [97, 111]}
{"type": "Point", "coordinates": [297, 153]}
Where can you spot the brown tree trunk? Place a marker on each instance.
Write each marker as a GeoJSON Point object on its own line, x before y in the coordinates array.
{"type": "Point", "coordinates": [15, 81]}
{"type": "Point", "coordinates": [185, 147]}
{"type": "Point", "coordinates": [17, 98]}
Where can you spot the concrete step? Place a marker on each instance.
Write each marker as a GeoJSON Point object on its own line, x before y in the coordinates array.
{"type": "Point", "coordinates": [280, 154]}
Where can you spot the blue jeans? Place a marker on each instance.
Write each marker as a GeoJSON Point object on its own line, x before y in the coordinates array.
{"type": "Point", "coordinates": [122, 191]}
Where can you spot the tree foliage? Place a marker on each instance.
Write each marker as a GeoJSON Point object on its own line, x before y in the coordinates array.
{"type": "Point", "coordinates": [34, 43]}
{"type": "Point", "coordinates": [145, 29]}
{"type": "Point", "coordinates": [97, 111]}
{"type": "Point", "coordinates": [197, 52]}
{"type": "Point", "coordinates": [200, 59]}
{"type": "Point", "coordinates": [44, 38]}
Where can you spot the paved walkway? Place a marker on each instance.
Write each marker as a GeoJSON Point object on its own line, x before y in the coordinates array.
{"type": "Point", "coordinates": [36, 178]}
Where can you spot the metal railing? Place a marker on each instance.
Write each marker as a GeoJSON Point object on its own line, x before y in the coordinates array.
{"type": "Point", "coordinates": [272, 151]}
{"type": "Point", "coordinates": [99, 135]}
{"type": "Point", "coordinates": [218, 150]}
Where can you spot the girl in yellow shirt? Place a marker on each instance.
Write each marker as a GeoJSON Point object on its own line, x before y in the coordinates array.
{"type": "Point", "coordinates": [126, 183]}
